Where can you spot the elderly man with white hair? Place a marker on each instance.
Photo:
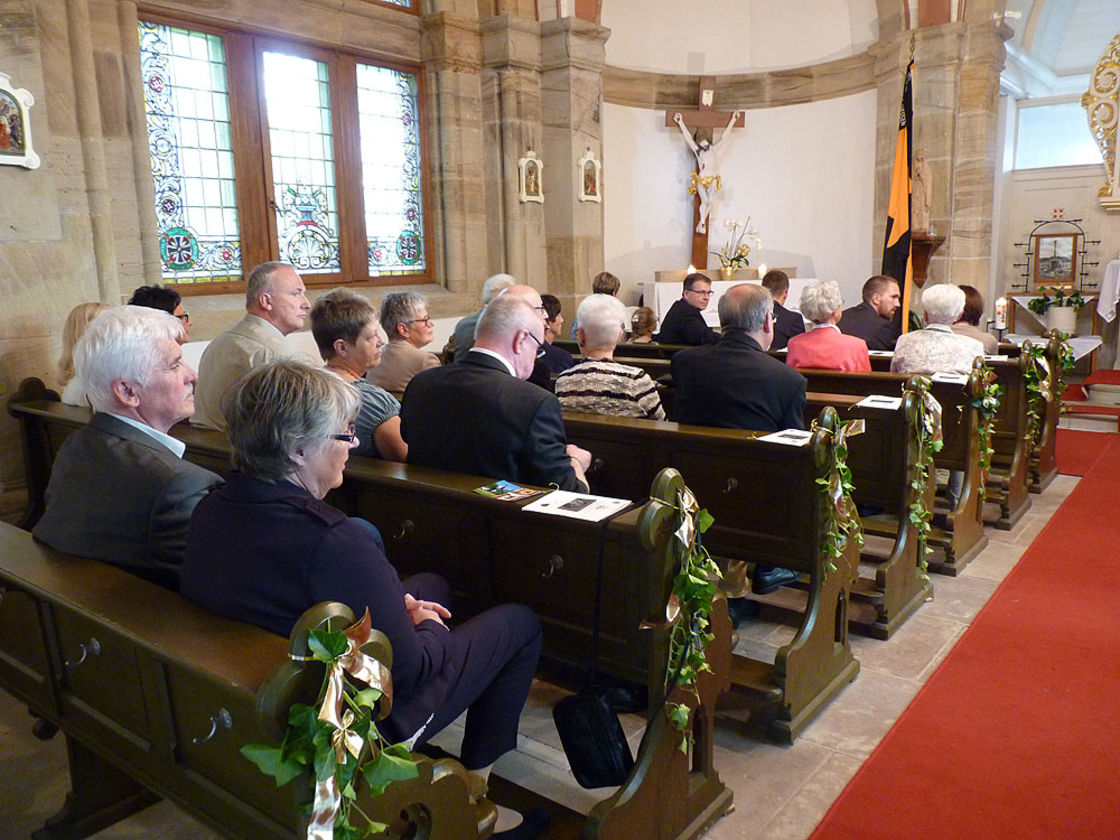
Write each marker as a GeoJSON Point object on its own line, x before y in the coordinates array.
{"type": "Point", "coordinates": [462, 338]}
{"type": "Point", "coordinates": [936, 348]}
{"type": "Point", "coordinates": [825, 346]}
{"type": "Point", "coordinates": [119, 490]}
{"type": "Point", "coordinates": [600, 385]}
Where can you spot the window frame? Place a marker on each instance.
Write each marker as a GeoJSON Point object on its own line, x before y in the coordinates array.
{"type": "Point", "coordinates": [252, 157]}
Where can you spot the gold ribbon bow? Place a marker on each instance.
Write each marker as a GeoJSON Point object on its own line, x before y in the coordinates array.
{"type": "Point", "coordinates": [1046, 381]}
{"type": "Point", "coordinates": [344, 739]}
{"type": "Point", "coordinates": [931, 416]}
{"type": "Point", "coordinates": [845, 509]}
{"type": "Point", "coordinates": [686, 534]}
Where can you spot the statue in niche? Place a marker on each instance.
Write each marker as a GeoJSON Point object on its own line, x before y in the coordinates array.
{"type": "Point", "coordinates": [921, 198]}
{"type": "Point", "coordinates": [706, 179]}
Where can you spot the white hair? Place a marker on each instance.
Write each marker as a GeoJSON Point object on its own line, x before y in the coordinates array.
{"type": "Point", "coordinates": [122, 343]}
{"type": "Point", "coordinates": [504, 316]}
{"type": "Point", "coordinates": [943, 303]}
{"type": "Point", "coordinates": [819, 300]}
{"type": "Point", "coordinates": [602, 318]}
{"type": "Point", "coordinates": [494, 284]}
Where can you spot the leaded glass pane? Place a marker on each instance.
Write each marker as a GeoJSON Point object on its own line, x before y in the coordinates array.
{"type": "Point", "coordinates": [297, 95]}
{"type": "Point", "coordinates": [184, 75]}
{"type": "Point", "coordinates": [390, 143]}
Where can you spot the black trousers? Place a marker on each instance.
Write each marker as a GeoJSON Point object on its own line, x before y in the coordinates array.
{"type": "Point", "coordinates": [501, 648]}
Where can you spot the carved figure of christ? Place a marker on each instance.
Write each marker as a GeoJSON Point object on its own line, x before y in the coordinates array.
{"type": "Point", "coordinates": [706, 179]}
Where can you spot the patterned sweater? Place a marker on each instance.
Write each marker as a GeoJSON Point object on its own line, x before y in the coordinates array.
{"type": "Point", "coordinates": [606, 387]}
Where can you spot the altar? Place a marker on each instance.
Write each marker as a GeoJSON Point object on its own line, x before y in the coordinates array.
{"type": "Point", "coordinates": [666, 289]}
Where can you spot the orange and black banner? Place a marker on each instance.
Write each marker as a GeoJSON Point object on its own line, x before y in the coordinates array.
{"type": "Point", "coordinates": [896, 245]}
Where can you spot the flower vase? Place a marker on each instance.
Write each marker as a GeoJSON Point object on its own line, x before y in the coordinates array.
{"type": "Point", "coordinates": [727, 272]}
{"type": "Point", "coordinates": [1061, 319]}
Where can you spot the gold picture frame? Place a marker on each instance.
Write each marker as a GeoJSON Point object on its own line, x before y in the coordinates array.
{"type": "Point", "coordinates": [1055, 260]}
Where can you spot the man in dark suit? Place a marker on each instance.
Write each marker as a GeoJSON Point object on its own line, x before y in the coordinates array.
{"type": "Point", "coordinates": [878, 320]}
{"type": "Point", "coordinates": [736, 384]}
{"type": "Point", "coordinates": [119, 490]}
{"type": "Point", "coordinates": [787, 323]}
{"type": "Point", "coordinates": [479, 416]}
{"type": "Point", "coordinates": [683, 323]}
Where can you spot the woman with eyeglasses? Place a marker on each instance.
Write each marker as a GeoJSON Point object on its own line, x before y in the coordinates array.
{"type": "Point", "coordinates": [404, 315]}
{"type": "Point", "coordinates": [345, 328]}
{"type": "Point", "coordinates": [265, 547]}
{"type": "Point", "coordinates": [169, 300]}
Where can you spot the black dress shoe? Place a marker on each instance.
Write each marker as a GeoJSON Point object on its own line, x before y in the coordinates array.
{"type": "Point", "coordinates": [767, 579]}
{"type": "Point", "coordinates": [532, 824]}
{"type": "Point", "coordinates": [628, 698]}
{"type": "Point", "coordinates": [740, 609]}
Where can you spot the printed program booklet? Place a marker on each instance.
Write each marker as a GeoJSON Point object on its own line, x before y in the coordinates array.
{"type": "Point", "coordinates": [578, 505]}
{"type": "Point", "coordinates": [507, 491]}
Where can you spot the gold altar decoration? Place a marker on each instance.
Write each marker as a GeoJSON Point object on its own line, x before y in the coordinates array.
{"type": "Point", "coordinates": [1102, 107]}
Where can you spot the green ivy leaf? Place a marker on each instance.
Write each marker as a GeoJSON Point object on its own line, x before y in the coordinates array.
{"type": "Point", "coordinates": [326, 646]}
{"type": "Point", "coordinates": [368, 698]}
{"type": "Point", "coordinates": [389, 767]}
{"type": "Point", "coordinates": [704, 520]}
{"type": "Point", "coordinates": [270, 761]}
{"type": "Point", "coordinates": [678, 714]}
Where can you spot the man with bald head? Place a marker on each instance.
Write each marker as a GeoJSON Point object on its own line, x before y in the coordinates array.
{"type": "Point", "coordinates": [463, 336]}
{"type": "Point", "coordinates": [276, 305]}
{"type": "Point", "coordinates": [480, 416]}
{"type": "Point", "coordinates": [736, 384]}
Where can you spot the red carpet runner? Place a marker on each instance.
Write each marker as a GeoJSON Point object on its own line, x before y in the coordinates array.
{"type": "Point", "coordinates": [1078, 450]}
{"type": "Point", "coordinates": [1017, 734]}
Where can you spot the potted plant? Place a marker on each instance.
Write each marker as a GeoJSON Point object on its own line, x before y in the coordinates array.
{"type": "Point", "coordinates": [1060, 310]}
{"type": "Point", "coordinates": [735, 253]}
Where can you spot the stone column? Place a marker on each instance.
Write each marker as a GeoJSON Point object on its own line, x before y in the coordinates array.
{"type": "Point", "coordinates": [955, 85]}
{"type": "Point", "coordinates": [452, 55]}
{"type": "Point", "coordinates": [573, 54]}
{"type": "Point", "coordinates": [511, 95]}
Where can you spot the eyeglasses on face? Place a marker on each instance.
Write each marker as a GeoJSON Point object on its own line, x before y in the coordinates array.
{"type": "Point", "coordinates": [540, 344]}
{"type": "Point", "coordinates": [702, 293]}
{"type": "Point", "coordinates": [348, 437]}
{"type": "Point", "coordinates": [185, 317]}
{"type": "Point", "coordinates": [427, 319]}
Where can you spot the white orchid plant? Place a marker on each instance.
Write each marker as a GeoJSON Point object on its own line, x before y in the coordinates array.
{"type": "Point", "coordinates": [741, 237]}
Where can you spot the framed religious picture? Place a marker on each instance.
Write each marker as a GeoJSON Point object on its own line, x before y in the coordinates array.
{"type": "Point", "coordinates": [1055, 259]}
{"type": "Point", "coordinates": [588, 171]}
{"type": "Point", "coordinates": [15, 127]}
{"type": "Point", "coordinates": [532, 184]}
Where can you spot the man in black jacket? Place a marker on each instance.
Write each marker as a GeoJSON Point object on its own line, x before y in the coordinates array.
{"type": "Point", "coordinates": [787, 323]}
{"type": "Point", "coordinates": [683, 323]}
{"type": "Point", "coordinates": [479, 416]}
{"type": "Point", "coordinates": [878, 320]}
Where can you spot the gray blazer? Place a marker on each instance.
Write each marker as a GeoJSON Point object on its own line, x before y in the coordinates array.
{"type": "Point", "coordinates": [116, 494]}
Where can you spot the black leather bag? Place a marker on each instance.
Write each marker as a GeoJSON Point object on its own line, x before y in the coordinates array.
{"type": "Point", "coordinates": [589, 728]}
{"type": "Point", "coordinates": [593, 740]}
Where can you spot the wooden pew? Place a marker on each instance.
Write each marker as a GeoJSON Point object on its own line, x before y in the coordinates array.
{"type": "Point", "coordinates": [884, 465]}
{"type": "Point", "coordinates": [157, 696]}
{"type": "Point", "coordinates": [768, 509]}
{"type": "Point", "coordinates": [958, 532]}
{"type": "Point", "coordinates": [492, 551]}
{"type": "Point", "coordinates": [1043, 467]}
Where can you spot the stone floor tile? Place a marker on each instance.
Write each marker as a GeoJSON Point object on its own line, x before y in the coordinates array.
{"type": "Point", "coordinates": [959, 598]}
{"type": "Point", "coordinates": [858, 718]}
{"type": "Point", "coordinates": [800, 816]}
{"type": "Point", "coordinates": [909, 651]}
{"type": "Point", "coordinates": [995, 562]}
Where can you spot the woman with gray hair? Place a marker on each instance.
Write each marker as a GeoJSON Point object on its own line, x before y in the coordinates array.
{"type": "Point", "coordinates": [345, 328]}
{"type": "Point", "coordinates": [600, 385]}
{"type": "Point", "coordinates": [824, 346]}
{"type": "Point", "coordinates": [936, 348]}
{"type": "Point", "coordinates": [266, 547]}
{"type": "Point", "coordinates": [405, 318]}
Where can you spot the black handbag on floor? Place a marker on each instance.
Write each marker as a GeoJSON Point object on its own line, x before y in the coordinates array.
{"type": "Point", "coordinates": [589, 728]}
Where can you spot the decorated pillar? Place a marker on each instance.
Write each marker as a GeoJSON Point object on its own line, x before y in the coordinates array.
{"type": "Point", "coordinates": [573, 54]}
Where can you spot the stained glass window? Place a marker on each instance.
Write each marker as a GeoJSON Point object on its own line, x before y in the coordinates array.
{"type": "Point", "coordinates": [190, 144]}
{"type": "Point", "coordinates": [328, 147]}
{"type": "Point", "coordinates": [390, 142]}
{"type": "Point", "coordinates": [297, 93]}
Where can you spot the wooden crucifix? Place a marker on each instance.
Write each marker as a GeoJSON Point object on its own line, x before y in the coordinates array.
{"type": "Point", "coordinates": [705, 180]}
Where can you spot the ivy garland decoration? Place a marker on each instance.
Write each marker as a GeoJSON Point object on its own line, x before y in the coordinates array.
{"type": "Point", "coordinates": [927, 433]}
{"type": "Point", "coordinates": [337, 738]}
{"type": "Point", "coordinates": [1036, 378]}
{"type": "Point", "coordinates": [842, 522]}
{"type": "Point", "coordinates": [689, 611]}
{"type": "Point", "coordinates": [987, 405]}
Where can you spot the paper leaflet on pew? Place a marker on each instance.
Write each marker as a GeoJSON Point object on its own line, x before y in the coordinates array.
{"type": "Point", "coordinates": [881, 401]}
{"type": "Point", "coordinates": [789, 437]}
{"type": "Point", "coordinates": [507, 491]}
{"type": "Point", "coordinates": [583, 506]}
